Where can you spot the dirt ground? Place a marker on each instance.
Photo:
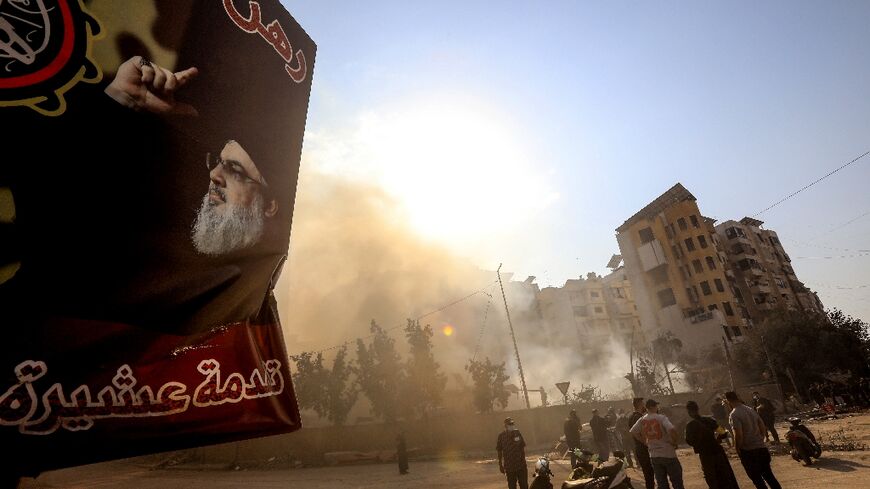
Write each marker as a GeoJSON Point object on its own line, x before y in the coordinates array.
{"type": "Point", "coordinates": [841, 469]}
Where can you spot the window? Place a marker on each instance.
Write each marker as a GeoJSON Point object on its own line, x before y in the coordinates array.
{"type": "Point", "coordinates": [673, 231]}
{"type": "Point", "coordinates": [712, 307]}
{"type": "Point", "coordinates": [682, 223]}
{"type": "Point", "coordinates": [702, 241]}
{"type": "Point", "coordinates": [676, 251]}
{"type": "Point", "coordinates": [705, 288]}
{"type": "Point", "coordinates": [685, 272]}
{"type": "Point", "coordinates": [593, 294]}
{"type": "Point", "coordinates": [719, 285]}
{"type": "Point", "coordinates": [695, 293]}
{"type": "Point", "coordinates": [736, 331]}
{"type": "Point", "coordinates": [694, 220]}
{"type": "Point", "coordinates": [726, 306]}
{"type": "Point", "coordinates": [690, 245]}
{"type": "Point", "coordinates": [666, 297]}
{"type": "Point", "coordinates": [646, 235]}
{"type": "Point", "coordinates": [598, 310]}
{"type": "Point", "coordinates": [698, 267]}
{"type": "Point", "coordinates": [580, 311]}
{"type": "Point", "coordinates": [693, 296]}
{"type": "Point", "coordinates": [711, 263]}
{"type": "Point", "coordinates": [669, 232]}
{"type": "Point", "coordinates": [727, 332]}
{"type": "Point", "coordinates": [659, 275]}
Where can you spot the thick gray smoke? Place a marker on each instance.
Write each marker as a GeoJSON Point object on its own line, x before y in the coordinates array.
{"type": "Point", "coordinates": [353, 259]}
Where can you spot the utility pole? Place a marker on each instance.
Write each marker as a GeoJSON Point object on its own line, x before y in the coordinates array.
{"type": "Point", "coordinates": [514, 338]}
{"type": "Point", "coordinates": [728, 363]}
{"type": "Point", "coordinates": [772, 371]}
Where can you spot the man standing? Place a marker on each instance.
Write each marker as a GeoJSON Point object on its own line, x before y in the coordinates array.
{"type": "Point", "coordinates": [512, 455]}
{"type": "Point", "coordinates": [766, 410]}
{"type": "Point", "coordinates": [749, 430]}
{"type": "Point", "coordinates": [641, 451]}
{"type": "Point", "coordinates": [402, 453]}
{"type": "Point", "coordinates": [720, 414]}
{"type": "Point", "coordinates": [572, 435]}
{"type": "Point", "coordinates": [660, 436]}
{"type": "Point", "coordinates": [599, 434]}
{"type": "Point", "coordinates": [701, 435]}
{"type": "Point", "coordinates": [624, 436]}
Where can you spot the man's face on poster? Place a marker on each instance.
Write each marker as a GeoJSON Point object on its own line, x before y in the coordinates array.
{"type": "Point", "coordinates": [237, 206]}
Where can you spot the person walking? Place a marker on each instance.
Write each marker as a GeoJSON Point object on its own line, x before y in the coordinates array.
{"type": "Point", "coordinates": [749, 430]}
{"type": "Point", "coordinates": [641, 451]}
{"type": "Point", "coordinates": [511, 449]}
{"type": "Point", "coordinates": [767, 411]}
{"type": "Point", "coordinates": [599, 434]}
{"type": "Point", "coordinates": [660, 436]}
{"type": "Point", "coordinates": [571, 429]}
{"type": "Point", "coordinates": [701, 436]}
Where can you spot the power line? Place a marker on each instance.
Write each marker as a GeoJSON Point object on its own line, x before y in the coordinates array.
{"type": "Point", "coordinates": [457, 301]}
{"type": "Point", "coordinates": [856, 255]}
{"type": "Point", "coordinates": [810, 185]}
{"type": "Point", "coordinates": [482, 327]}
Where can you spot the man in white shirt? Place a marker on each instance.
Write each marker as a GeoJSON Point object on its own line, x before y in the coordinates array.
{"type": "Point", "coordinates": [658, 433]}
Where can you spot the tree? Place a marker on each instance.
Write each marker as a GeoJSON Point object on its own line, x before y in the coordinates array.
{"type": "Point", "coordinates": [328, 392]}
{"type": "Point", "coordinates": [380, 374]}
{"type": "Point", "coordinates": [425, 383]}
{"type": "Point", "coordinates": [810, 344]}
{"type": "Point", "coordinates": [489, 387]}
{"type": "Point", "coordinates": [667, 348]}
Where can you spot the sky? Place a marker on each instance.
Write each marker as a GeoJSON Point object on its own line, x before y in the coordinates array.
{"type": "Point", "coordinates": [526, 132]}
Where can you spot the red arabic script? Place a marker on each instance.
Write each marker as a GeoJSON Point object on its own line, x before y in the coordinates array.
{"type": "Point", "coordinates": [273, 34]}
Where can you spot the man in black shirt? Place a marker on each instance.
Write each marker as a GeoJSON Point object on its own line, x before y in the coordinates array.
{"type": "Point", "coordinates": [640, 450]}
{"type": "Point", "coordinates": [512, 455]}
{"type": "Point", "coordinates": [599, 427]}
{"type": "Point", "coordinates": [701, 435]}
{"type": "Point", "coordinates": [571, 429]}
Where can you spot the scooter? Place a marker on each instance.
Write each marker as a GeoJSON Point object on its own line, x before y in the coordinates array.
{"type": "Point", "coordinates": [802, 447]}
{"type": "Point", "coordinates": [583, 467]}
{"type": "Point", "coordinates": [608, 475]}
{"type": "Point", "coordinates": [542, 474]}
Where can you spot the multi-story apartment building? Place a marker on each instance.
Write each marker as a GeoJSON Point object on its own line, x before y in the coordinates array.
{"type": "Point", "coordinates": [764, 277]}
{"type": "Point", "coordinates": [679, 272]}
{"type": "Point", "coordinates": [590, 311]}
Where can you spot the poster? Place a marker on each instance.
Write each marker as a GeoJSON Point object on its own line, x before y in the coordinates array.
{"type": "Point", "coordinates": [151, 152]}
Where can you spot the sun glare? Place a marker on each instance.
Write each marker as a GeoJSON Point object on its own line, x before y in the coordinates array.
{"type": "Point", "coordinates": [447, 330]}
{"type": "Point", "coordinates": [459, 173]}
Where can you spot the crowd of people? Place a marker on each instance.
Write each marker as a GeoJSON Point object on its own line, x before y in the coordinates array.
{"type": "Point", "coordinates": [649, 439]}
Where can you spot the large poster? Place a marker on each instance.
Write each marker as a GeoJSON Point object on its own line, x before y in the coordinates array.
{"type": "Point", "coordinates": [147, 181]}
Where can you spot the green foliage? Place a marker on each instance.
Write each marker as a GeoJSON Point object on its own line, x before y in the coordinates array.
{"type": "Point", "coordinates": [425, 383]}
{"type": "Point", "coordinates": [810, 344]}
{"type": "Point", "coordinates": [328, 392]}
{"type": "Point", "coordinates": [489, 387]}
{"type": "Point", "coordinates": [380, 374]}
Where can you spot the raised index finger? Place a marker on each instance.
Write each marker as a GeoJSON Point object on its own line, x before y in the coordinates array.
{"type": "Point", "coordinates": [185, 76]}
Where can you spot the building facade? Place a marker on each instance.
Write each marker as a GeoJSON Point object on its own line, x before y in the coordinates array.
{"type": "Point", "coordinates": [679, 272]}
{"type": "Point", "coordinates": [764, 277]}
{"type": "Point", "coordinates": [590, 311]}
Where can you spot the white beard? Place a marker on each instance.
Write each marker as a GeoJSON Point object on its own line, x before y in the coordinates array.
{"type": "Point", "coordinates": [239, 227]}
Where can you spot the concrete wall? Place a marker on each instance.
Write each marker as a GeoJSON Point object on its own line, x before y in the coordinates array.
{"type": "Point", "coordinates": [452, 434]}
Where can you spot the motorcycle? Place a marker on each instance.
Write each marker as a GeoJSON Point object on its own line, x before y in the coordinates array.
{"type": "Point", "coordinates": [583, 467]}
{"type": "Point", "coordinates": [608, 475]}
{"type": "Point", "coordinates": [802, 447]}
{"type": "Point", "coordinates": [542, 474]}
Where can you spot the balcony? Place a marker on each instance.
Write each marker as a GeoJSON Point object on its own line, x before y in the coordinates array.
{"type": "Point", "coordinates": [700, 318]}
{"type": "Point", "coordinates": [760, 287]}
{"type": "Point", "coordinates": [651, 255]}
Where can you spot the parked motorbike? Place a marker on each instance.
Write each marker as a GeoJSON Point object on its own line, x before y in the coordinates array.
{"type": "Point", "coordinates": [583, 467]}
{"type": "Point", "coordinates": [542, 474]}
{"type": "Point", "coordinates": [607, 475]}
{"type": "Point", "coordinates": [803, 445]}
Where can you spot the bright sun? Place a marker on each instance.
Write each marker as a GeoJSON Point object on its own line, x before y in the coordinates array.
{"type": "Point", "coordinates": [459, 173]}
